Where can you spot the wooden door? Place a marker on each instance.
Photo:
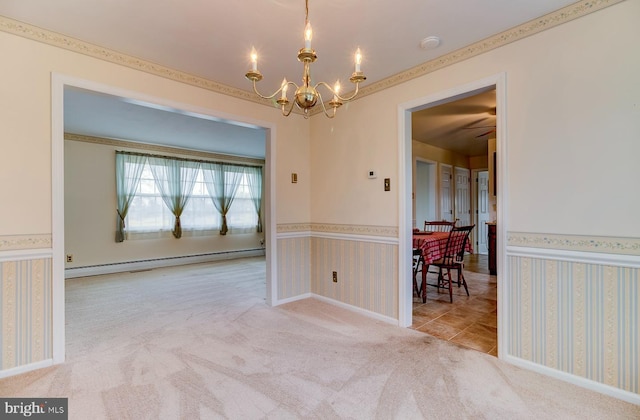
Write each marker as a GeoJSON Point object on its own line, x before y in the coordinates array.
{"type": "Point", "coordinates": [483, 211]}
{"type": "Point", "coordinates": [462, 204]}
{"type": "Point", "coordinates": [446, 192]}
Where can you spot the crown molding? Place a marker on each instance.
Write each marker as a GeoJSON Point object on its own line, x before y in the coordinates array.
{"type": "Point", "coordinates": [551, 20]}
{"type": "Point", "coordinates": [161, 149]}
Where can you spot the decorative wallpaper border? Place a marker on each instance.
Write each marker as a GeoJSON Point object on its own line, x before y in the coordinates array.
{"type": "Point", "coordinates": [365, 230]}
{"type": "Point", "coordinates": [20, 242]}
{"type": "Point", "coordinates": [532, 27]}
{"type": "Point", "coordinates": [604, 244]}
{"type": "Point", "coordinates": [161, 149]}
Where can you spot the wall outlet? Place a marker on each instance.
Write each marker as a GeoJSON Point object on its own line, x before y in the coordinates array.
{"type": "Point", "coordinates": [335, 276]}
{"type": "Point", "coordinates": [69, 258]}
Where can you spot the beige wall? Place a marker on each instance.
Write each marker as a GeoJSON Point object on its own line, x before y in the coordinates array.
{"type": "Point", "coordinates": [90, 202]}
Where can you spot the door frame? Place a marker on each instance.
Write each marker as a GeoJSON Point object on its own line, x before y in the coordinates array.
{"type": "Point", "coordinates": [405, 183]}
{"type": "Point", "coordinates": [58, 83]}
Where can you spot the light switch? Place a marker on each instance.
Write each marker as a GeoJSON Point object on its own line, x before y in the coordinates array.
{"type": "Point", "coordinates": [387, 184]}
{"type": "Point", "coordinates": [294, 178]}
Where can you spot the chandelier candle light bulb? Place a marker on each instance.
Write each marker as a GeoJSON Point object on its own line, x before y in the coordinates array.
{"type": "Point", "coordinates": [308, 34]}
{"type": "Point", "coordinates": [306, 96]}
{"type": "Point", "coordinates": [254, 59]}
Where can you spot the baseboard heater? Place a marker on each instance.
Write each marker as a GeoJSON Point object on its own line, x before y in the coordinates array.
{"type": "Point", "coordinates": [95, 270]}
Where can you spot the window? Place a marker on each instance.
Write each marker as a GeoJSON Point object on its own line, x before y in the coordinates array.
{"type": "Point", "coordinates": [242, 215]}
{"type": "Point", "coordinates": [147, 211]}
{"type": "Point", "coordinates": [149, 216]}
{"type": "Point", "coordinates": [200, 213]}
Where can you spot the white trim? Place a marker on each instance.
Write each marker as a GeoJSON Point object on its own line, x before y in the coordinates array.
{"type": "Point", "coordinates": [576, 380]}
{"type": "Point", "coordinates": [97, 270]}
{"type": "Point", "coordinates": [405, 180]}
{"type": "Point", "coordinates": [26, 254]}
{"type": "Point", "coordinates": [352, 308]}
{"type": "Point", "coordinates": [271, 248]}
{"type": "Point", "coordinates": [502, 217]}
{"type": "Point", "coordinates": [618, 260]}
{"type": "Point", "coordinates": [293, 299]}
{"type": "Point", "coordinates": [58, 324]}
{"type": "Point", "coordinates": [58, 83]}
{"type": "Point", "coordinates": [25, 368]}
{"type": "Point", "coordinates": [356, 238]}
{"type": "Point", "coordinates": [340, 236]}
{"type": "Point", "coordinates": [290, 235]}
{"type": "Point", "coordinates": [405, 214]}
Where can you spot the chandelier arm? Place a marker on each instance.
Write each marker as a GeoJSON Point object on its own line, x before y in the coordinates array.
{"type": "Point", "coordinates": [286, 113]}
{"type": "Point", "coordinates": [330, 89]}
{"type": "Point", "coordinates": [255, 89]}
{"type": "Point", "coordinates": [324, 108]}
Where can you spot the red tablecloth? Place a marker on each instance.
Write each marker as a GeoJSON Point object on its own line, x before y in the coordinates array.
{"type": "Point", "coordinates": [433, 245]}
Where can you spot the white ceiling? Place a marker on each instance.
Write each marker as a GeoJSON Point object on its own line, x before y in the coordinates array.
{"type": "Point", "coordinates": [213, 38]}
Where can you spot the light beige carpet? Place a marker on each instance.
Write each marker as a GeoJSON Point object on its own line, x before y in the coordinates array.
{"type": "Point", "coordinates": [199, 342]}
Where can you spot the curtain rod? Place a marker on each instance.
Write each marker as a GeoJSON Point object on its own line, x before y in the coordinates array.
{"type": "Point", "coordinates": [187, 159]}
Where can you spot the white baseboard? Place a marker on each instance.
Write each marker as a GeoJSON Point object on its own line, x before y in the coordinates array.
{"type": "Point", "coordinates": [365, 312]}
{"type": "Point", "coordinates": [25, 368]}
{"type": "Point", "coordinates": [356, 309]}
{"type": "Point", "coordinates": [574, 379]}
{"type": "Point", "coordinates": [292, 299]}
{"type": "Point", "coordinates": [96, 270]}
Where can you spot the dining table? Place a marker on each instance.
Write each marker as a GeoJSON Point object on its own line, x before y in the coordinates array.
{"type": "Point", "coordinates": [432, 246]}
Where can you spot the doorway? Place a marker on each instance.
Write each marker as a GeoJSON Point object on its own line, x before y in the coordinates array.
{"type": "Point", "coordinates": [426, 195]}
{"type": "Point", "coordinates": [497, 83]}
{"type": "Point", "coordinates": [59, 83]}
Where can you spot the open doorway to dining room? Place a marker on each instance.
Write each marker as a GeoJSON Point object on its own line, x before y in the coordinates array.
{"type": "Point", "coordinates": [454, 135]}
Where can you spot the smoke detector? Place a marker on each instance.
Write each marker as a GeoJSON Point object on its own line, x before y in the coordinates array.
{"type": "Point", "coordinates": [430, 43]}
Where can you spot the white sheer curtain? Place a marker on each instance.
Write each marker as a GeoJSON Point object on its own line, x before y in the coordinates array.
{"type": "Point", "coordinates": [174, 179]}
{"type": "Point", "coordinates": [128, 171]}
{"type": "Point", "coordinates": [222, 181]}
{"type": "Point", "coordinates": [254, 179]}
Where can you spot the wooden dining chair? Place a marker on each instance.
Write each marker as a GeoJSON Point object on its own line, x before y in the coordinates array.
{"type": "Point", "coordinates": [453, 259]}
{"type": "Point", "coordinates": [438, 225]}
{"type": "Point", "coordinates": [418, 266]}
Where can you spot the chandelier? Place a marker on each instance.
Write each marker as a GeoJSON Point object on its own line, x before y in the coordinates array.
{"type": "Point", "coordinates": [306, 96]}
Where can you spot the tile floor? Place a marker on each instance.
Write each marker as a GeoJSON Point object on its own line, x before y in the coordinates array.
{"type": "Point", "coordinates": [469, 321]}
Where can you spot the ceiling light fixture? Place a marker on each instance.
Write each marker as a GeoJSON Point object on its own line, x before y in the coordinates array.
{"type": "Point", "coordinates": [306, 96]}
